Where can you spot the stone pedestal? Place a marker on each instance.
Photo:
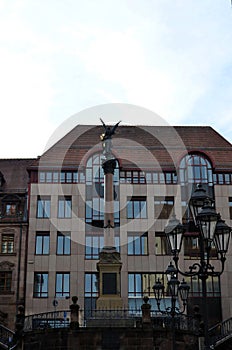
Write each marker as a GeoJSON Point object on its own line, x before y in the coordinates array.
{"type": "Point", "coordinates": [109, 267]}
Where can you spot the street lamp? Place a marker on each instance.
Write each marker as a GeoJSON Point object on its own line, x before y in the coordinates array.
{"type": "Point", "coordinates": [176, 290]}
{"type": "Point", "coordinates": [211, 230]}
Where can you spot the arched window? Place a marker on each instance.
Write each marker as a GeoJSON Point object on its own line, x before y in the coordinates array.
{"type": "Point", "coordinates": [94, 212]}
{"type": "Point", "coordinates": [195, 168]}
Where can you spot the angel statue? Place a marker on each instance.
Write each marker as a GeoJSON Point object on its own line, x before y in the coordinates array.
{"type": "Point", "coordinates": [106, 138]}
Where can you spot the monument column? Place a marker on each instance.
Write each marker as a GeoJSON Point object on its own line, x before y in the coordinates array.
{"type": "Point", "coordinates": [109, 265]}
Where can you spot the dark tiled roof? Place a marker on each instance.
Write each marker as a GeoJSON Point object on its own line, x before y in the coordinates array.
{"type": "Point", "coordinates": [15, 174]}
{"type": "Point", "coordinates": [145, 146]}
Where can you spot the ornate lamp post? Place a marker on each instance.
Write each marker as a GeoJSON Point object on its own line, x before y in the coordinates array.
{"type": "Point", "coordinates": [176, 290]}
{"type": "Point", "coordinates": [212, 230]}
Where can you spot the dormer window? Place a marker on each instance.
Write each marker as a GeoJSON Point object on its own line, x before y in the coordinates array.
{"type": "Point", "coordinates": [10, 209]}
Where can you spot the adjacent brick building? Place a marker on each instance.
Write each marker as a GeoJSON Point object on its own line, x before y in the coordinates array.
{"type": "Point", "coordinates": [13, 236]}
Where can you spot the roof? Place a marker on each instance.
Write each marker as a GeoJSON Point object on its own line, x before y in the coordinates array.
{"type": "Point", "coordinates": [140, 146]}
{"type": "Point", "coordinates": [15, 175]}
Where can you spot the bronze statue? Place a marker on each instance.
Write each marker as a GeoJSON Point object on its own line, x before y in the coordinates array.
{"type": "Point", "coordinates": [108, 130]}
{"type": "Point", "coordinates": [106, 139]}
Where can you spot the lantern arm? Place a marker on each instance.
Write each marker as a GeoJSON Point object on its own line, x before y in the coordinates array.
{"type": "Point", "coordinates": [201, 269]}
{"type": "Point", "coordinates": [194, 269]}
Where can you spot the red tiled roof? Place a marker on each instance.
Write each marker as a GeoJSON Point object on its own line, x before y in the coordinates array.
{"type": "Point", "coordinates": [145, 146]}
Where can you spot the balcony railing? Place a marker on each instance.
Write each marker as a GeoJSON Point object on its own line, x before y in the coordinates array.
{"type": "Point", "coordinates": [7, 338]}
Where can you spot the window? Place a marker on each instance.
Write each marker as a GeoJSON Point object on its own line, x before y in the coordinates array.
{"type": "Point", "coordinates": [213, 286]}
{"type": "Point", "coordinates": [195, 168]}
{"type": "Point", "coordinates": [43, 207]}
{"type": "Point", "coordinates": [42, 243]}
{"type": "Point", "coordinates": [5, 281]}
{"type": "Point", "coordinates": [137, 244]}
{"type": "Point", "coordinates": [64, 207]}
{"type": "Point", "coordinates": [140, 284]}
{"type": "Point", "coordinates": [94, 242]}
{"type": "Point", "coordinates": [137, 208]}
{"type": "Point", "coordinates": [191, 247]}
{"type": "Point", "coordinates": [40, 285]}
{"type": "Point", "coordinates": [7, 246]}
{"type": "Point", "coordinates": [60, 177]}
{"type": "Point", "coordinates": [62, 284]}
{"type": "Point", "coordinates": [230, 207]}
{"type": "Point", "coordinates": [63, 246]}
{"type": "Point", "coordinates": [222, 179]}
{"type": "Point", "coordinates": [91, 292]}
{"type": "Point", "coordinates": [161, 244]}
{"type": "Point", "coordinates": [94, 209]}
{"type": "Point", "coordinates": [163, 207]}
{"type": "Point", "coordinates": [10, 209]}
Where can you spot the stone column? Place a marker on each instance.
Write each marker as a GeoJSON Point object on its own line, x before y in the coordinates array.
{"type": "Point", "coordinates": [109, 167]}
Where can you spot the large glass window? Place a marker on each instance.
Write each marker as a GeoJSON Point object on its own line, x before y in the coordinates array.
{"type": "Point", "coordinates": [5, 281]}
{"type": "Point", "coordinates": [91, 292]}
{"type": "Point", "coordinates": [43, 206]}
{"type": "Point", "coordinates": [163, 207]}
{"type": "Point", "coordinates": [212, 286]}
{"type": "Point", "coordinates": [42, 243]}
{"type": "Point", "coordinates": [63, 246]}
{"type": "Point", "coordinates": [137, 208]}
{"type": "Point", "coordinates": [137, 244]}
{"type": "Point", "coordinates": [64, 207]}
{"type": "Point", "coordinates": [94, 213]}
{"type": "Point", "coordinates": [40, 285]}
{"type": "Point", "coordinates": [7, 246]}
{"type": "Point", "coordinates": [195, 168]}
{"type": "Point", "coordinates": [62, 284]}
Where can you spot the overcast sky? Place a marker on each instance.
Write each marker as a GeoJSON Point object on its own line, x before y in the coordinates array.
{"type": "Point", "coordinates": [59, 57]}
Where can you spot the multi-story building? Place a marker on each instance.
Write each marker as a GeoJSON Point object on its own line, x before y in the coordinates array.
{"type": "Point", "coordinates": [13, 236]}
{"type": "Point", "coordinates": [157, 169]}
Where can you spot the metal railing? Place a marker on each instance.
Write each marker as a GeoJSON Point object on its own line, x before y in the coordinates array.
{"type": "Point", "coordinates": [221, 332]}
{"type": "Point", "coordinates": [7, 338]}
{"type": "Point", "coordinates": [122, 317]}
{"type": "Point", "coordinates": [53, 319]}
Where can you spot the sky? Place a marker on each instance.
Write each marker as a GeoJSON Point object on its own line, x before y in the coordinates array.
{"type": "Point", "coordinates": [61, 57]}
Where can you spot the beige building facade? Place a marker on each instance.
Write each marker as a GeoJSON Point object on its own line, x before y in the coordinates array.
{"type": "Point", "coordinates": [157, 170]}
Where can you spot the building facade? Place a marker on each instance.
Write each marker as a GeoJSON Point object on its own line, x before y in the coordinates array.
{"type": "Point", "coordinates": [13, 236]}
{"type": "Point", "coordinates": [157, 170]}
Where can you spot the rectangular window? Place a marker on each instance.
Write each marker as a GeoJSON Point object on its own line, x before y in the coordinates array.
{"type": "Point", "coordinates": [63, 246]}
{"type": "Point", "coordinates": [40, 285]}
{"type": "Point", "coordinates": [7, 246]}
{"type": "Point", "coordinates": [42, 243]}
{"type": "Point", "coordinates": [230, 207]}
{"type": "Point", "coordinates": [62, 284]}
{"type": "Point", "coordinates": [5, 281]}
{"type": "Point", "coordinates": [91, 292]}
{"type": "Point", "coordinates": [43, 207]}
{"type": "Point", "coordinates": [161, 244]}
{"type": "Point", "coordinates": [10, 209]}
{"type": "Point", "coordinates": [64, 207]}
{"type": "Point", "coordinates": [137, 244]}
{"type": "Point", "coordinates": [163, 207]}
{"type": "Point", "coordinates": [137, 208]}
{"type": "Point", "coordinates": [93, 244]}
{"type": "Point", "coordinates": [213, 286]}
{"type": "Point", "coordinates": [142, 283]}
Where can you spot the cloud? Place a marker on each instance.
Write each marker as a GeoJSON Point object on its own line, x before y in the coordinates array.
{"type": "Point", "coordinates": [167, 56]}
